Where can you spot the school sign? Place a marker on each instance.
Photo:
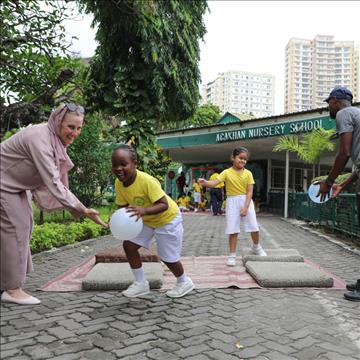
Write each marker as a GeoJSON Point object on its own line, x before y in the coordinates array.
{"type": "Point", "coordinates": [273, 129]}
{"type": "Point", "coordinates": [291, 128]}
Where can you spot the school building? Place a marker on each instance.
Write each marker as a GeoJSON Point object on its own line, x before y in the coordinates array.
{"type": "Point", "coordinates": [202, 148]}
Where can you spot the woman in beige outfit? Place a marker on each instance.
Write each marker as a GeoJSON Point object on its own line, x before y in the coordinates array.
{"type": "Point", "coordinates": [34, 164]}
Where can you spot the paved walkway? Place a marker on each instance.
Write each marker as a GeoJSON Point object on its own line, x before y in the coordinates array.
{"type": "Point", "coordinates": [207, 324]}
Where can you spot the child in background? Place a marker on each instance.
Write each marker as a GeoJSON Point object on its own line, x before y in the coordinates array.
{"type": "Point", "coordinates": [144, 197]}
{"type": "Point", "coordinates": [190, 204]}
{"type": "Point", "coordinates": [239, 184]}
{"type": "Point", "coordinates": [183, 203]}
{"type": "Point", "coordinates": [202, 203]}
{"type": "Point", "coordinates": [197, 194]}
{"type": "Point", "coordinates": [223, 206]}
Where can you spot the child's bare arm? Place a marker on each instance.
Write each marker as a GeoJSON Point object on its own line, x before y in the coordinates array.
{"type": "Point", "coordinates": [249, 193]}
{"type": "Point", "coordinates": [158, 207]}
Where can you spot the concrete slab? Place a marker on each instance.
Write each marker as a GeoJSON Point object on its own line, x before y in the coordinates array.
{"type": "Point", "coordinates": [118, 276]}
{"type": "Point", "coordinates": [117, 254]}
{"type": "Point", "coordinates": [287, 274]}
{"type": "Point", "coordinates": [280, 255]}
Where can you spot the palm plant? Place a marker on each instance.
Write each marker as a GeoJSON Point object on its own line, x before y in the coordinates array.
{"type": "Point", "coordinates": [310, 147]}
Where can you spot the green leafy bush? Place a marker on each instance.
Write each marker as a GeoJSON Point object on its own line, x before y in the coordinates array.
{"type": "Point", "coordinates": [51, 235]}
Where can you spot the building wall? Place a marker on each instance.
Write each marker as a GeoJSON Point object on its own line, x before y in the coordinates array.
{"type": "Point", "coordinates": [314, 67]}
{"type": "Point", "coordinates": [242, 92]}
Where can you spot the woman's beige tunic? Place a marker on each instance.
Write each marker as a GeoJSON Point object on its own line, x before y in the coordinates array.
{"type": "Point", "coordinates": [26, 163]}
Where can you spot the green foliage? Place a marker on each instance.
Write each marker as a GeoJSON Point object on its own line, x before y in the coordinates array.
{"type": "Point", "coordinates": [10, 133]}
{"type": "Point", "coordinates": [310, 147]}
{"type": "Point", "coordinates": [204, 115]}
{"type": "Point", "coordinates": [92, 159]}
{"type": "Point", "coordinates": [50, 235]}
{"type": "Point", "coordinates": [145, 71]}
{"type": "Point", "coordinates": [36, 66]}
{"type": "Point", "coordinates": [146, 64]}
{"type": "Point", "coordinates": [32, 46]}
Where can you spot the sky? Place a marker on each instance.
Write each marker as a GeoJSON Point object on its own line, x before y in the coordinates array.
{"type": "Point", "coordinates": [252, 35]}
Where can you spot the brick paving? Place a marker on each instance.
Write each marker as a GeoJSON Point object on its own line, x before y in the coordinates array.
{"type": "Point", "coordinates": [207, 324]}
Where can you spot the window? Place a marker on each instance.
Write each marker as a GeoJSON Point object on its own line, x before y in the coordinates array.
{"type": "Point", "coordinates": [278, 177]}
{"type": "Point", "coordinates": [296, 179]}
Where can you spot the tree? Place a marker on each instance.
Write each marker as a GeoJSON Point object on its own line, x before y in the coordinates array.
{"type": "Point", "coordinates": [310, 147]}
{"type": "Point", "coordinates": [92, 158]}
{"type": "Point", "coordinates": [145, 70]}
{"type": "Point", "coordinates": [204, 115]}
{"type": "Point", "coordinates": [146, 64]}
{"type": "Point", "coordinates": [33, 58]}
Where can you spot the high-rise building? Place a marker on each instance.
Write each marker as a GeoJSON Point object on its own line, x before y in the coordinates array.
{"type": "Point", "coordinates": [314, 67]}
{"type": "Point", "coordinates": [242, 92]}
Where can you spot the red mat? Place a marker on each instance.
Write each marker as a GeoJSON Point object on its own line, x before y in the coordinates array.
{"type": "Point", "coordinates": [207, 272]}
{"type": "Point", "coordinates": [211, 272]}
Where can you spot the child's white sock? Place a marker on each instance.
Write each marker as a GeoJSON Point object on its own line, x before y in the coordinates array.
{"type": "Point", "coordinates": [232, 254]}
{"type": "Point", "coordinates": [139, 274]}
{"type": "Point", "coordinates": [182, 279]}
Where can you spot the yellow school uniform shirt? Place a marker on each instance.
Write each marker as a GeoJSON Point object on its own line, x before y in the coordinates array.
{"type": "Point", "coordinates": [214, 176]}
{"type": "Point", "coordinates": [197, 187]}
{"type": "Point", "coordinates": [236, 181]}
{"type": "Point", "coordinates": [182, 201]}
{"type": "Point", "coordinates": [144, 192]}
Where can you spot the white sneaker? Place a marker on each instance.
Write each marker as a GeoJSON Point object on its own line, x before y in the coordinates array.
{"type": "Point", "coordinates": [231, 261]}
{"type": "Point", "coordinates": [259, 251]}
{"type": "Point", "coordinates": [181, 289]}
{"type": "Point", "coordinates": [137, 289]}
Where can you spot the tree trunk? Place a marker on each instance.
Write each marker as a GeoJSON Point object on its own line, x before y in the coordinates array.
{"type": "Point", "coordinates": [41, 218]}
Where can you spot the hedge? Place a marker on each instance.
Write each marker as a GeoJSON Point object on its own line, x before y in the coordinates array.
{"type": "Point", "coordinates": [51, 235]}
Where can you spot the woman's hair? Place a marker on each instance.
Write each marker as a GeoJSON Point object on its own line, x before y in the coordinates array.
{"type": "Point", "coordinates": [240, 150]}
{"type": "Point", "coordinates": [77, 109]}
{"type": "Point", "coordinates": [130, 150]}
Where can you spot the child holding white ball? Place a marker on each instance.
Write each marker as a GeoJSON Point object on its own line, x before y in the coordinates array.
{"type": "Point", "coordinates": [143, 196]}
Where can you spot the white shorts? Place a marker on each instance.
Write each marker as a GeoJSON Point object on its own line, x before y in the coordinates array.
{"type": "Point", "coordinates": [234, 204]}
{"type": "Point", "coordinates": [168, 239]}
{"type": "Point", "coordinates": [197, 197]}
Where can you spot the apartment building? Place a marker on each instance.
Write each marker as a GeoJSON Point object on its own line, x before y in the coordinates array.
{"type": "Point", "coordinates": [242, 92]}
{"type": "Point", "coordinates": [314, 67]}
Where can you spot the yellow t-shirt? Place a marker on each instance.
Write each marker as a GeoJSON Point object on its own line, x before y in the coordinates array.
{"type": "Point", "coordinates": [144, 192]}
{"type": "Point", "coordinates": [197, 187]}
{"type": "Point", "coordinates": [236, 181]}
{"type": "Point", "coordinates": [182, 201]}
{"type": "Point", "coordinates": [202, 204]}
{"type": "Point", "coordinates": [214, 176]}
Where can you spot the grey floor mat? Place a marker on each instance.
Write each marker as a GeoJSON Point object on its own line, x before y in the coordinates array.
{"type": "Point", "coordinates": [281, 255]}
{"type": "Point", "coordinates": [118, 276]}
{"type": "Point", "coordinates": [287, 274]}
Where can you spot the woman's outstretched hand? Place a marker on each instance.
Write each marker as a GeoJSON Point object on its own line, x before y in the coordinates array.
{"type": "Point", "coordinates": [95, 217]}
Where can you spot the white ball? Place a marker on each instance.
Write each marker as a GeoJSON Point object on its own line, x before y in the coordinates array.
{"type": "Point", "coordinates": [313, 192]}
{"type": "Point", "coordinates": [124, 227]}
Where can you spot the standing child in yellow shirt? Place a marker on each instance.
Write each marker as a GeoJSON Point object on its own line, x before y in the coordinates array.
{"type": "Point", "coordinates": [239, 184]}
{"type": "Point", "coordinates": [144, 197]}
{"type": "Point", "coordinates": [197, 194]}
